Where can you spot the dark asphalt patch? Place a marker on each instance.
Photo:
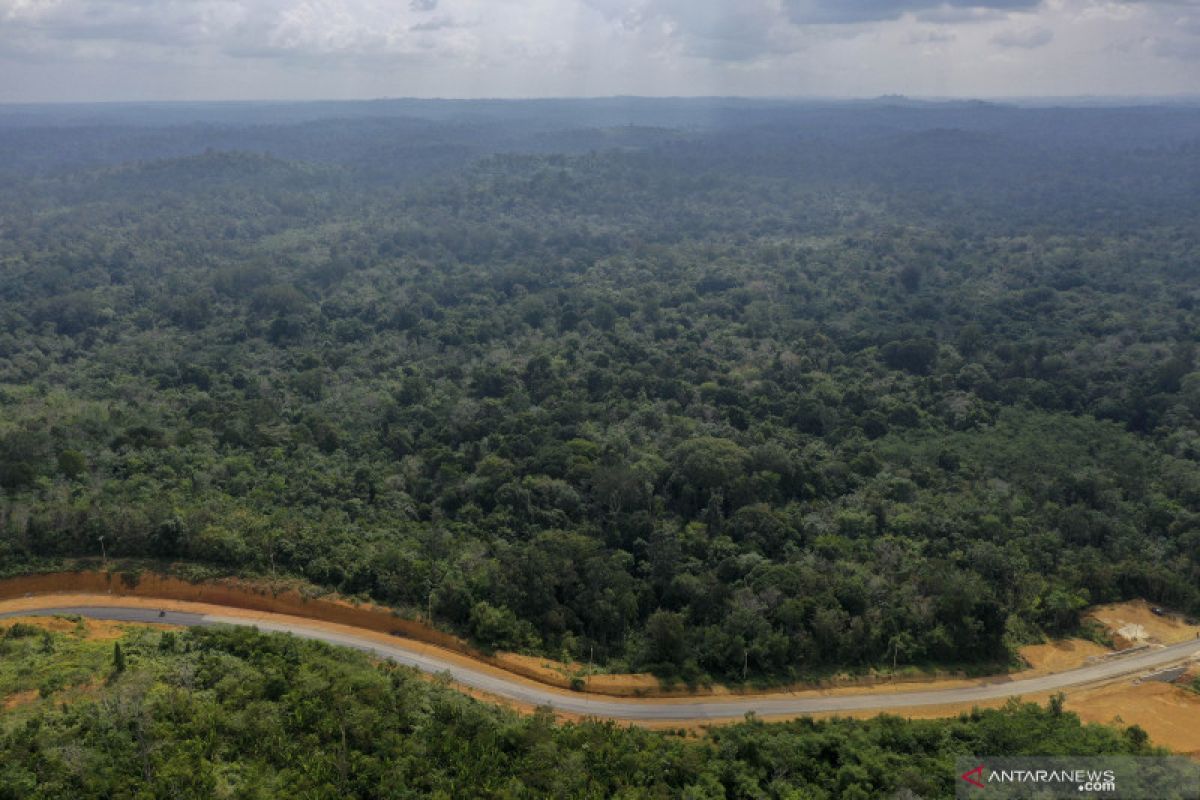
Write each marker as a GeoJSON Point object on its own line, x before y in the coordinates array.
{"type": "Point", "coordinates": [113, 614]}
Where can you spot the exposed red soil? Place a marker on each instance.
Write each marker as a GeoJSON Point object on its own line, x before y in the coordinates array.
{"type": "Point", "coordinates": [234, 593]}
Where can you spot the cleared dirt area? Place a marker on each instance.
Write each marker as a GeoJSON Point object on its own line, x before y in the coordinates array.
{"type": "Point", "coordinates": [1134, 622]}
{"type": "Point", "coordinates": [1060, 655]}
{"type": "Point", "coordinates": [1169, 713]}
{"type": "Point", "coordinates": [18, 699]}
{"type": "Point", "coordinates": [97, 629]}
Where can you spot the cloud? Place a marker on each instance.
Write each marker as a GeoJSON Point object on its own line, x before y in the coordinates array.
{"type": "Point", "coordinates": [746, 30]}
{"type": "Point", "coordinates": [931, 37]}
{"type": "Point", "coordinates": [721, 30]}
{"type": "Point", "coordinates": [437, 24]}
{"type": "Point", "coordinates": [167, 22]}
{"type": "Point", "coordinates": [1029, 39]}
{"type": "Point", "coordinates": [959, 15]}
{"type": "Point", "coordinates": [840, 12]}
{"type": "Point", "coordinates": [1178, 49]}
{"type": "Point", "coordinates": [303, 29]}
{"type": "Point", "coordinates": [57, 49]}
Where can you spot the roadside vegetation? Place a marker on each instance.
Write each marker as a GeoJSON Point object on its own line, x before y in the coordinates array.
{"type": "Point", "coordinates": [231, 713]}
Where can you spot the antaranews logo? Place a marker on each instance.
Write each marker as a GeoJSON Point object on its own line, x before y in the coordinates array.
{"type": "Point", "coordinates": [1085, 780]}
{"type": "Point", "coordinates": [1112, 778]}
{"type": "Point", "coordinates": [972, 777]}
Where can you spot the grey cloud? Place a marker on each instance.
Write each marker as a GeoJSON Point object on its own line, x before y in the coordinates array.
{"type": "Point", "coordinates": [165, 23]}
{"type": "Point", "coordinates": [746, 30]}
{"type": "Point", "coordinates": [813, 12]}
{"type": "Point", "coordinates": [714, 30]}
{"type": "Point", "coordinates": [286, 30]}
{"type": "Point", "coordinates": [931, 37]}
{"type": "Point", "coordinates": [960, 15]}
{"type": "Point", "coordinates": [726, 48]}
{"type": "Point", "coordinates": [840, 12]}
{"type": "Point", "coordinates": [439, 24]}
{"type": "Point", "coordinates": [1179, 49]}
{"type": "Point", "coordinates": [1024, 39]}
{"type": "Point", "coordinates": [354, 47]}
{"type": "Point", "coordinates": [718, 30]}
{"type": "Point", "coordinates": [739, 38]}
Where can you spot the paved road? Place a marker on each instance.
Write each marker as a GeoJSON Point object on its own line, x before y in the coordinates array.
{"type": "Point", "coordinates": [679, 709]}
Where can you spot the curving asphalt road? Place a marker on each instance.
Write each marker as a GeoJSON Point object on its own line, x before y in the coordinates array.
{"type": "Point", "coordinates": [682, 710]}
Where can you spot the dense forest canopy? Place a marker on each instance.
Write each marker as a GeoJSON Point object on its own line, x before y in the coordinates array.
{"type": "Point", "coordinates": [711, 388]}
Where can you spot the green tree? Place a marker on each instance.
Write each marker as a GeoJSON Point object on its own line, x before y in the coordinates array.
{"type": "Point", "coordinates": [118, 659]}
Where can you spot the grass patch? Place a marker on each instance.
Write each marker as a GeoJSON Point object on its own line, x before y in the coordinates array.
{"type": "Point", "coordinates": [1095, 631]}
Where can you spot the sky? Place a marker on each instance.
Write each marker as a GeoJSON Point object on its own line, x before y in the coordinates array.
{"type": "Point", "coordinates": [132, 50]}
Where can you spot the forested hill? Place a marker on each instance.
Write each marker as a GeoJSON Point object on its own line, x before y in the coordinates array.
{"type": "Point", "coordinates": [801, 388]}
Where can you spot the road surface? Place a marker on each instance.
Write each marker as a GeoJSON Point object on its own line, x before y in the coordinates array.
{"type": "Point", "coordinates": [669, 709]}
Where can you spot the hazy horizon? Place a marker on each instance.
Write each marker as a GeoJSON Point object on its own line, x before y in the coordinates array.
{"type": "Point", "coordinates": [1083, 100]}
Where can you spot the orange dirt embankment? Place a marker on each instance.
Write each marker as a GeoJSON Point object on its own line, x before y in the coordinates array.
{"type": "Point", "coordinates": [252, 596]}
{"type": "Point", "coordinates": [1168, 713]}
{"type": "Point", "coordinates": [1059, 655]}
{"type": "Point", "coordinates": [233, 593]}
{"type": "Point", "coordinates": [252, 617]}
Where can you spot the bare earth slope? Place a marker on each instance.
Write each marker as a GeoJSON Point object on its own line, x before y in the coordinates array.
{"type": "Point", "coordinates": [485, 678]}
